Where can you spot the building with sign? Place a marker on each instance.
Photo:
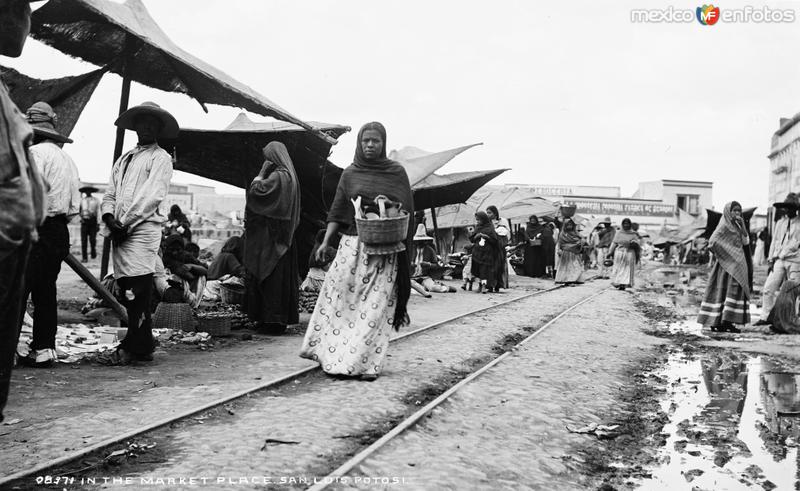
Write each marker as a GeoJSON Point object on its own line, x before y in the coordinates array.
{"type": "Point", "coordinates": [655, 204]}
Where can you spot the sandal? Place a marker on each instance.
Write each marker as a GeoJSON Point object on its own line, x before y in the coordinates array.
{"type": "Point", "coordinates": [117, 358]}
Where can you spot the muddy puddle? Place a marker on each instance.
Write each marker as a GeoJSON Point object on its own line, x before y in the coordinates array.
{"type": "Point", "coordinates": [734, 423]}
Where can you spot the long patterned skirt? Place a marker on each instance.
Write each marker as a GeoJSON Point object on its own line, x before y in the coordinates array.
{"type": "Point", "coordinates": [724, 300]}
{"type": "Point", "coordinates": [349, 330]}
{"type": "Point", "coordinates": [570, 268]}
{"type": "Point", "coordinates": [624, 267]}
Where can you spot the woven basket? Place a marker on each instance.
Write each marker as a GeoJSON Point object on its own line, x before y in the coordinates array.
{"type": "Point", "coordinates": [232, 294]}
{"type": "Point", "coordinates": [383, 236]}
{"type": "Point", "coordinates": [568, 211]}
{"type": "Point", "coordinates": [174, 316]}
{"type": "Point", "coordinates": [215, 326]}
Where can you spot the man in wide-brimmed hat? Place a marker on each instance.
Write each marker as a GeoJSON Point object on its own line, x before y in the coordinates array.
{"type": "Point", "coordinates": [89, 224]}
{"type": "Point", "coordinates": [139, 183]}
{"type": "Point", "coordinates": [22, 196]}
{"type": "Point", "coordinates": [784, 254]}
{"type": "Point", "coordinates": [63, 199]}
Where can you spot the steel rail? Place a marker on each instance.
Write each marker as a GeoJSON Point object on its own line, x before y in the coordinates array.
{"type": "Point", "coordinates": [74, 455]}
{"type": "Point", "coordinates": [407, 423]}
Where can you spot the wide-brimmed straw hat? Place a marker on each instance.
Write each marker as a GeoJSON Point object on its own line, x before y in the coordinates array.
{"type": "Point", "coordinates": [43, 120]}
{"type": "Point", "coordinates": [605, 220]}
{"type": "Point", "coordinates": [792, 201]}
{"type": "Point", "coordinates": [88, 189]}
{"type": "Point", "coordinates": [169, 125]}
{"type": "Point", "coordinates": [421, 234]}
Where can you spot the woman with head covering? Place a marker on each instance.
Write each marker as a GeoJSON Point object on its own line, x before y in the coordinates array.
{"type": "Point", "coordinates": [625, 251]}
{"type": "Point", "coordinates": [504, 234]}
{"type": "Point", "coordinates": [178, 223]}
{"type": "Point", "coordinates": [605, 236]}
{"type": "Point", "coordinates": [485, 253]}
{"type": "Point", "coordinates": [535, 251]}
{"type": "Point", "coordinates": [364, 295]}
{"type": "Point", "coordinates": [570, 249]}
{"type": "Point", "coordinates": [272, 214]}
{"type": "Point", "coordinates": [727, 298]}
{"type": "Point", "coordinates": [229, 260]}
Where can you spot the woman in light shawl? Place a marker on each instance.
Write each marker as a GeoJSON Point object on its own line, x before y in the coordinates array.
{"type": "Point", "coordinates": [364, 296]}
{"type": "Point", "coordinates": [570, 260]}
{"type": "Point", "coordinates": [625, 250]}
{"type": "Point", "coordinates": [272, 215]}
{"type": "Point", "coordinates": [485, 253]}
{"type": "Point", "coordinates": [727, 298]}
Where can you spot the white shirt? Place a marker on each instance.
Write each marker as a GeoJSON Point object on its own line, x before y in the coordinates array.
{"type": "Point", "coordinates": [139, 183]}
{"type": "Point", "coordinates": [61, 174]}
{"type": "Point", "coordinates": [786, 240]}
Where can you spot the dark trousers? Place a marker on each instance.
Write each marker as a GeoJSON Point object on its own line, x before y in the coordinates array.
{"type": "Point", "coordinates": [12, 278]}
{"type": "Point", "coordinates": [89, 234]}
{"type": "Point", "coordinates": [139, 339]}
{"type": "Point", "coordinates": [40, 280]}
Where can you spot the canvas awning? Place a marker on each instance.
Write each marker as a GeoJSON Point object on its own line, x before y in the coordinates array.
{"type": "Point", "coordinates": [435, 191]}
{"type": "Point", "coordinates": [67, 95]}
{"type": "Point", "coordinates": [420, 164]}
{"type": "Point", "coordinates": [126, 39]}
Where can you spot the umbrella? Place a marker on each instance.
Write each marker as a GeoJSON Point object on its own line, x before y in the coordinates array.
{"type": "Point", "coordinates": [66, 95]}
{"type": "Point", "coordinates": [420, 164]}
{"type": "Point", "coordinates": [456, 216]}
{"type": "Point", "coordinates": [522, 210]}
{"type": "Point", "coordinates": [126, 39]}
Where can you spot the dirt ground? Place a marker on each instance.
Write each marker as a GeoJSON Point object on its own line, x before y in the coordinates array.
{"type": "Point", "coordinates": [694, 409]}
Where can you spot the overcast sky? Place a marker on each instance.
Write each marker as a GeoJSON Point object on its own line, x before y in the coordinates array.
{"type": "Point", "coordinates": [570, 93]}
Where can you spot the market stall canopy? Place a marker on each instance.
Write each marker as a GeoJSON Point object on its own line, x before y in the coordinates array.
{"type": "Point", "coordinates": [420, 164]}
{"type": "Point", "coordinates": [463, 214]}
{"type": "Point", "coordinates": [435, 191]}
{"type": "Point", "coordinates": [67, 95]}
{"type": "Point", "coordinates": [514, 203]}
{"type": "Point", "coordinates": [126, 39]}
{"type": "Point", "coordinates": [234, 156]}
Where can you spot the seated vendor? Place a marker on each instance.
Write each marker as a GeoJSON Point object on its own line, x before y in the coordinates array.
{"type": "Point", "coordinates": [426, 266]}
{"type": "Point", "coordinates": [317, 268]}
{"type": "Point", "coordinates": [228, 261]}
{"type": "Point", "coordinates": [183, 264]}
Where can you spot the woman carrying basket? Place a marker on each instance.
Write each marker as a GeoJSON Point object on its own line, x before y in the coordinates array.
{"type": "Point", "coordinates": [364, 296]}
{"type": "Point", "coordinates": [626, 252]}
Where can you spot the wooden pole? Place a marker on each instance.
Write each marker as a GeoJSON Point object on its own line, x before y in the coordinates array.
{"type": "Point", "coordinates": [95, 285]}
{"type": "Point", "coordinates": [124, 100]}
{"type": "Point", "coordinates": [435, 229]}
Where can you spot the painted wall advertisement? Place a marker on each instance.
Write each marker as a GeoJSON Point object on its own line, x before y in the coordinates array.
{"type": "Point", "coordinates": [610, 207]}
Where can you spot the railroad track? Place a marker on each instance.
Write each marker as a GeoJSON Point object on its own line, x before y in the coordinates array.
{"type": "Point", "coordinates": [400, 428]}
{"type": "Point", "coordinates": [73, 456]}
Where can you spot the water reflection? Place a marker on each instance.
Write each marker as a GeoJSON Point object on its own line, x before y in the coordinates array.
{"type": "Point", "coordinates": [733, 423]}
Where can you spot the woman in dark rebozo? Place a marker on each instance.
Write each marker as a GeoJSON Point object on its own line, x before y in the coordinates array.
{"type": "Point", "coordinates": [178, 223]}
{"type": "Point", "coordinates": [570, 259]}
{"type": "Point", "coordinates": [504, 235]}
{"type": "Point", "coordinates": [727, 298]}
{"type": "Point", "coordinates": [364, 296]}
{"type": "Point", "coordinates": [272, 215]}
{"type": "Point", "coordinates": [625, 251]}
{"type": "Point", "coordinates": [485, 253]}
{"type": "Point", "coordinates": [535, 264]}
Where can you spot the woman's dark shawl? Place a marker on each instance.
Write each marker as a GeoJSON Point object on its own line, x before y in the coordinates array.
{"type": "Point", "coordinates": [272, 213]}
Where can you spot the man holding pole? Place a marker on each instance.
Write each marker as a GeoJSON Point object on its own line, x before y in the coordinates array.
{"type": "Point", "coordinates": [22, 194]}
{"type": "Point", "coordinates": [139, 183]}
